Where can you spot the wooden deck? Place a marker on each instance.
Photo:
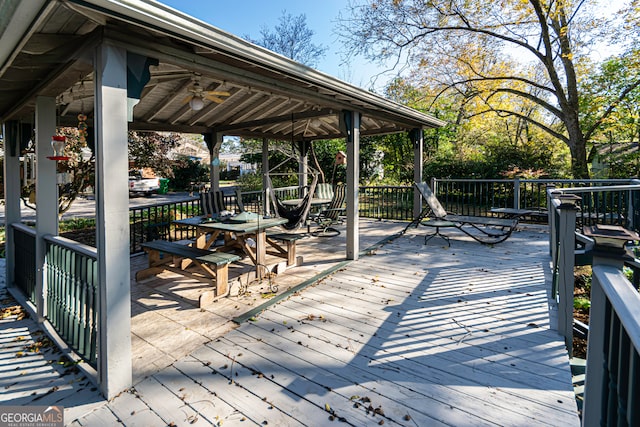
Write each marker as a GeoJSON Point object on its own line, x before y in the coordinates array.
{"type": "Point", "coordinates": [409, 335]}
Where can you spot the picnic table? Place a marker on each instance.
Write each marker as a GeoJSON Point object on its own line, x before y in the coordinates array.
{"type": "Point", "coordinates": [511, 213]}
{"type": "Point", "coordinates": [250, 237]}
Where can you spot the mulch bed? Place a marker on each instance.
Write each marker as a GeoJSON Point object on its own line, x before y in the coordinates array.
{"type": "Point", "coordinates": [86, 236]}
{"type": "Point", "coordinates": [582, 281]}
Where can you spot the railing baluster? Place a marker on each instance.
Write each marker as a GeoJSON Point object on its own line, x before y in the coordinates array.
{"type": "Point", "coordinates": [71, 296]}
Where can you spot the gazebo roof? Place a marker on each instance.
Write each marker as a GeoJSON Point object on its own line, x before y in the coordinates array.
{"type": "Point", "coordinates": [46, 48]}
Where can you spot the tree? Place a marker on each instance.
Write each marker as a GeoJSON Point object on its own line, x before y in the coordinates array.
{"type": "Point", "coordinates": [498, 57]}
{"type": "Point", "coordinates": [77, 173]}
{"type": "Point", "coordinates": [149, 150]}
{"type": "Point", "coordinates": [293, 39]}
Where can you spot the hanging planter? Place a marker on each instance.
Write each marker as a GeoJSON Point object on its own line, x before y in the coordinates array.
{"type": "Point", "coordinates": [58, 144]}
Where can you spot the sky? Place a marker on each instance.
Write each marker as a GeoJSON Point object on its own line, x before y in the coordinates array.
{"type": "Point", "coordinates": [248, 17]}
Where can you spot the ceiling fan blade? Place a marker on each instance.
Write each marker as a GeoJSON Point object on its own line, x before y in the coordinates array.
{"type": "Point", "coordinates": [215, 99]}
{"type": "Point", "coordinates": [218, 93]}
{"type": "Point", "coordinates": [187, 99]}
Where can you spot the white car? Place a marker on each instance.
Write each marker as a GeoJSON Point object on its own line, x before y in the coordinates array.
{"type": "Point", "coordinates": [140, 185]}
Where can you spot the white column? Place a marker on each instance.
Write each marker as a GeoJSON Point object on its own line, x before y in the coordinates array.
{"type": "Point", "coordinates": [266, 197]}
{"type": "Point", "coordinates": [46, 191]}
{"type": "Point", "coordinates": [112, 219]}
{"type": "Point", "coordinates": [353, 178]}
{"type": "Point", "coordinates": [303, 168]}
{"type": "Point", "coordinates": [215, 165]}
{"type": "Point", "coordinates": [11, 201]}
{"type": "Point", "coordinates": [417, 138]}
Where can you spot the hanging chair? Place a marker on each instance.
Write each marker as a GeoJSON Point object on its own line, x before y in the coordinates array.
{"type": "Point", "coordinates": [296, 215]}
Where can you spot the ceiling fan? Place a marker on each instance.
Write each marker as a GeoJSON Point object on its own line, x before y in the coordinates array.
{"type": "Point", "coordinates": [198, 95]}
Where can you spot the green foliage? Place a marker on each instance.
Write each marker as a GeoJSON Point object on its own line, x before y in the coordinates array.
{"type": "Point", "coordinates": [581, 303]}
{"type": "Point", "coordinates": [186, 171]}
{"type": "Point", "coordinates": [628, 273]}
{"type": "Point", "coordinates": [519, 64]}
{"type": "Point", "coordinates": [325, 152]}
{"type": "Point", "coordinates": [77, 224]}
{"type": "Point", "coordinates": [149, 150]}
{"type": "Point", "coordinates": [250, 182]}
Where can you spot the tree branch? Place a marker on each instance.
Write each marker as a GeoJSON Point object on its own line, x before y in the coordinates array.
{"type": "Point", "coordinates": [506, 113]}
{"type": "Point", "coordinates": [589, 132]}
{"type": "Point", "coordinates": [553, 110]}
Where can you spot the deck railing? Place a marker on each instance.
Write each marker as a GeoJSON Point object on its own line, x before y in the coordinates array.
{"type": "Point", "coordinates": [71, 294]}
{"type": "Point", "coordinates": [156, 222]}
{"type": "Point", "coordinates": [476, 197]}
{"type": "Point", "coordinates": [24, 240]}
{"type": "Point", "coordinates": [379, 202]}
{"type": "Point", "coordinates": [386, 202]}
{"type": "Point", "coordinates": [612, 382]}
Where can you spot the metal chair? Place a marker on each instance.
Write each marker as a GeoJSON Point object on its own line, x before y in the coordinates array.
{"type": "Point", "coordinates": [330, 215]}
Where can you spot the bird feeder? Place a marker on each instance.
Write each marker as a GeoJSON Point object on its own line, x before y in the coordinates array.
{"type": "Point", "coordinates": [58, 144]}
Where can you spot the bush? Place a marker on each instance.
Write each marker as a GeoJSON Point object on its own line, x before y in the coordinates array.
{"type": "Point", "coordinates": [187, 171]}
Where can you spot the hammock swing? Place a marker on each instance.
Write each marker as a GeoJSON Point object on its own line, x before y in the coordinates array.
{"type": "Point", "coordinates": [296, 215]}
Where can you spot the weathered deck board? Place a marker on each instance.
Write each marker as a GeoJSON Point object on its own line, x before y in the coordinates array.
{"type": "Point", "coordinates": [350, 332]}
{"type": "Point", "coordinates": [408, 335]}
{"type": "Point", "coordinates": [431, 367]}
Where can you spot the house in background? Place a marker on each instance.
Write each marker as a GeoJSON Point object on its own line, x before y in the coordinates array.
{"type": "Point", "coordinates": [231, 162]}
{"type": "Point", "coordinates": [613, 159]}
{"type": "Point", "coordinates": [193, 147]}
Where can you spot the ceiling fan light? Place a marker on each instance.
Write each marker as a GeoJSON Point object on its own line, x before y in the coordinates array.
{"type": "Point", "coordinates": [196, 103]}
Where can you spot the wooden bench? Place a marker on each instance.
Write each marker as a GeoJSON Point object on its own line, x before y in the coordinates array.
{"type": "Point", "coordinates": [289, 252]}
{"type": "Point", "coordinates": [164, 255]}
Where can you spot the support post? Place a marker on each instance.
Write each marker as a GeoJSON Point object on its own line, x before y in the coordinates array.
{"type": "Point", "coordinates": [112, 220]}
{"type": "Point", "coordinates": [11, 196]}
{"type": "Point", "coordinates": [566, 263]}
{"type": "Point", "coordinates": [551, 221]}
{"type": "Point", "coordinates": [417, 138]}
{"type": "Point", "coordinates": [46, 192]}
{"type": "Point", "coordinates": [266, 197]}
{"type": "Point", "coordinates": [516, 193]}
{"type": "Point", "coordinates": [303, 168]}
{"type": "Point", "coordinates": [352, 122]}
{"type": "Point", "coordinates": [215, 161]}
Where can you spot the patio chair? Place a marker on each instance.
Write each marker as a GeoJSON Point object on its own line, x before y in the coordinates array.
{"type": "Point", "coordinates": [488, 231]}
{"type": "Point", "coordinates": [331, 215]}
{"type": "Point", "coordinates": [212, 203]}
{"type": "Point", "coordinates": [324, 190]}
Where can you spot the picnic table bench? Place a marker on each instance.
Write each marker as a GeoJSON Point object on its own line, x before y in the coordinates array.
{"type": "Point", "coordinates": [173, 256]}
{"type": "Point", "coordinates": [289, 239]}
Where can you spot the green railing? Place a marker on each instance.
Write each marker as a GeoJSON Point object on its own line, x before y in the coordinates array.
{"type": "Point", "coordinates": [72, 294]}
{"type": "Point", "coordinates": [24, 240]}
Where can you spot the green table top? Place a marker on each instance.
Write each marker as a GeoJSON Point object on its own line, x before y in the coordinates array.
{"type": "Point", "coordinates": [236, 227]}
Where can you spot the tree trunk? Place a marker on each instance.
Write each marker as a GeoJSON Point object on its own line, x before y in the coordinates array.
{"type": "Point", "coordinates": [578, 149]}
{"type": "Point", "coordinates": [577, 146]}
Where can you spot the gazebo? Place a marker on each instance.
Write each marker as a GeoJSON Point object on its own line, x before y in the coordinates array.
{"type": "Point", "coordinates": [139, 65]}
